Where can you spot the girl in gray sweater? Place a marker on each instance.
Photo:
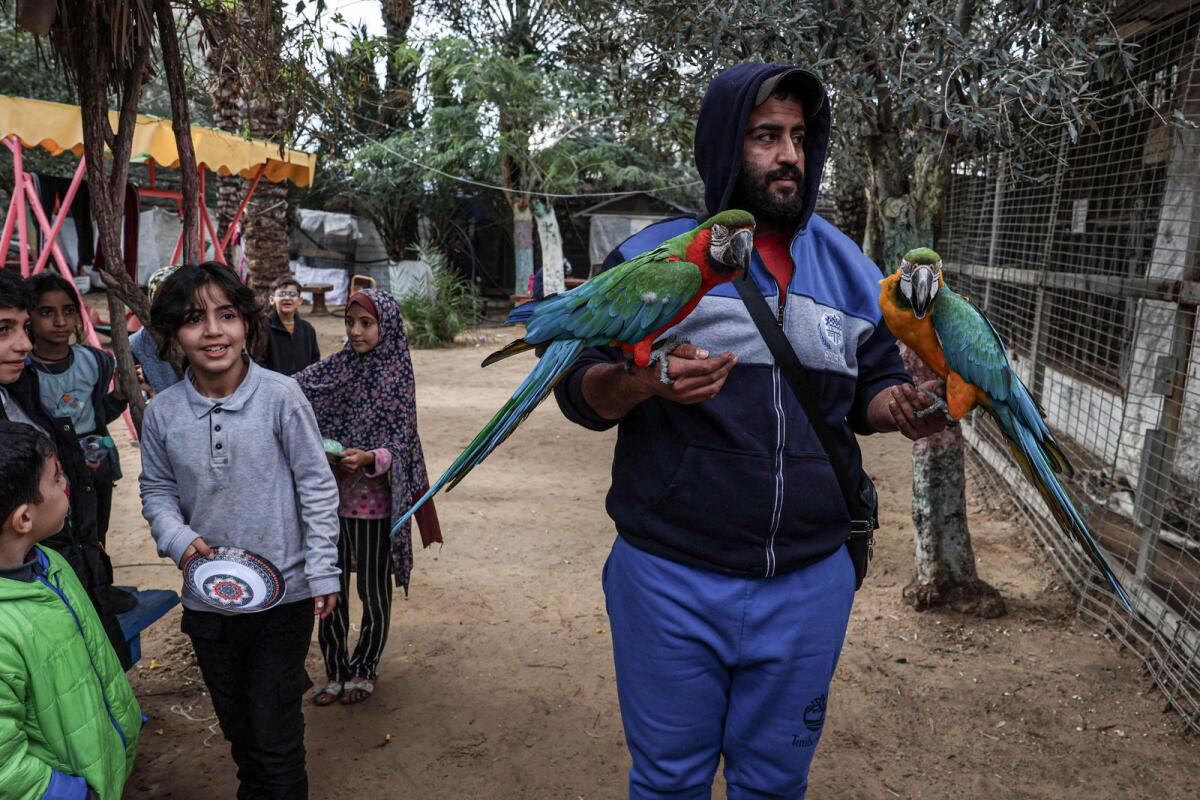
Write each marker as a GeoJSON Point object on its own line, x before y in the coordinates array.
{"type": "Point", "coordinates": [231, 455]}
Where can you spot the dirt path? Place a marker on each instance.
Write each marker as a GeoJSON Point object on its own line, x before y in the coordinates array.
{"type": "Point", "coordinates": [498, 682]}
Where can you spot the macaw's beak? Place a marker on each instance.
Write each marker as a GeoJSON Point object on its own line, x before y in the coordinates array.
{"type": "Point", "coordinates": [741, 247]}
{"type": "Point", "coordinates": [924, 287]}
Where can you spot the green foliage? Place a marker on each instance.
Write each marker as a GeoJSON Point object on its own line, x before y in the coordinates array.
{"type": "Point", "coordinates": [454, 307]}
{"type": "Point", "coordinates": [493, 119]}
{"type": "Point", "coordinates": [986, 72]}
{"type": "Point", "coordinates": [27, 69]}
{"type": "Point", "coordinates": [915, 86]}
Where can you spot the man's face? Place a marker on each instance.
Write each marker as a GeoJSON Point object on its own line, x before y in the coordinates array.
{"type": "Point", "coordinates": [770, 184]}
{"type": "Point", "coordinates": [14, 343]}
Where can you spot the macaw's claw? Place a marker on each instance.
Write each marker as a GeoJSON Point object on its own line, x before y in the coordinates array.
{"type": "Point", "coordinates": [660, 353]}
{"type": "Point", "coordinates": [938, 405]}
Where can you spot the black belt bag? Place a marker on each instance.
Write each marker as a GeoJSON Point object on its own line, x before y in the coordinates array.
{"type": "Point", "coordinates": [859, 494]}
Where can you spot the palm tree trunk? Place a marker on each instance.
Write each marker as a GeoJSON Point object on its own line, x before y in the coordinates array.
{"type": "Point", "coordinates": [265, 228]}
{"type": "Point", "coordinates": [397, 93]}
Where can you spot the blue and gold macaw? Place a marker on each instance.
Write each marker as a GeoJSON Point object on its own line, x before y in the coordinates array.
{"type": "Point", "coordinates": [957, 342]}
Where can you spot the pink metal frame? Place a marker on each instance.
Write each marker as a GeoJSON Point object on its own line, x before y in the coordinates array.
{"type": "Point", "coordinates": [208, 232]}
{"type": "Point", "coordinates": [25, 193]}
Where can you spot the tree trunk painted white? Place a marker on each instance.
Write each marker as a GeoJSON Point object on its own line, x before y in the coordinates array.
{"type": "Point", "coordinates": [553, 279]}
{"type": "Point", "coordinates": [522, 244]}
{"type": "Point", "coordinates": [946, 573]}
{"type": "Point", "coordinates": [943, 545]}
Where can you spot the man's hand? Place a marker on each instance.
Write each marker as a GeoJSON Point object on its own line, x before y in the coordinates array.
{"type": "Point", "coordinates": [198, 545]}
{"type": "Point", "coordinates": [353, 460]}
{"type": "Point", "coordinates": [323, 605]}
{"type": "Point", "coordinates": [895, 409]}
{"type": "Point", "coordinates": [612, 391]}
{"type": "Point", "coordinates": [697, 376]}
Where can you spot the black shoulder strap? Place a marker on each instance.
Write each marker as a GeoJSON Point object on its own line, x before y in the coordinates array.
{"type": "Point", "coordinates": [797, 376]}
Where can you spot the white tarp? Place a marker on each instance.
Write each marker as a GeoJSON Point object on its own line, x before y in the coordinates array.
{"type": "Point", "coordinates": [326, 230]}
{"type": "Point", "coordinates": [369, 249]}
{"type": "Point", "coordinates": [158, 233]}
{"type": "Point", "coordinates": [68, 242]}
{"type": "Point", "coordinates": [609, 230]}
{"type": "Point", "coordinates": [334, 277]}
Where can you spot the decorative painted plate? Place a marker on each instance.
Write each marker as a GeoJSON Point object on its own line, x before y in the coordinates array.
{"type": "Point", "coordinates": [234, 580]}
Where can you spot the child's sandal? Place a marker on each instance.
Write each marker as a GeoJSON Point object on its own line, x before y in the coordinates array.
{"type": "Point", "coordinates": [332, 690]}
{"type": "Point", "coordinates": [365, 688]}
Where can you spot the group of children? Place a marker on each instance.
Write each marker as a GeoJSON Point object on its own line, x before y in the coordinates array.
{"type": "Point", "coordinates": [232, 454]}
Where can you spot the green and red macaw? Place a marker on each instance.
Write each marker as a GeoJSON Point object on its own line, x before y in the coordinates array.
{"type": "Point", "coordinates": [959, 344]}
{"type": "Point", "coordinates": [630, 305]}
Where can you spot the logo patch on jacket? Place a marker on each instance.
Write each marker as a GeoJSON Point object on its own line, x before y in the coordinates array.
{"type": "Point", "coordinates": [814, 714]}
{"type": "Point", "coordinates": [833, 338]}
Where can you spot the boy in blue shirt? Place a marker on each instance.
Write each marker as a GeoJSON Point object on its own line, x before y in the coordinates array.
{"type": "Point", "coordinates": [73, 383]}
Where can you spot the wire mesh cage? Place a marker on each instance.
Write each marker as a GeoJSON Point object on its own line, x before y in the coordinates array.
{"type": "Point", "coordinates": [1088, 264]}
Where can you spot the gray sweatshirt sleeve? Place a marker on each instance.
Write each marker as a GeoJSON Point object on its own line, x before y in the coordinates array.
{"type": "Point", "coordinates": [317, 493]}
{"type": "Point", "coordinates": [160, 494]}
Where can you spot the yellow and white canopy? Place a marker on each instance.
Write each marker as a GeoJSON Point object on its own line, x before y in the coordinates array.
{"type": "Point", "coordinates": [58, 127]}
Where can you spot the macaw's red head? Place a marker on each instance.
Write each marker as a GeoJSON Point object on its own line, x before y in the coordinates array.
{"type": "Point", "coordinates": [723, 244]}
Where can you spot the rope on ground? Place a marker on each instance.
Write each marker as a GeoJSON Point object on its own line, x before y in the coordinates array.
{"type": "Point", "coordinates": [180, 710]}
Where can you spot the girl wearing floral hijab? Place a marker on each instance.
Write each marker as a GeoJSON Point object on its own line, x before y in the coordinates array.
{"type": "Point", "coordinates": [364, 399]}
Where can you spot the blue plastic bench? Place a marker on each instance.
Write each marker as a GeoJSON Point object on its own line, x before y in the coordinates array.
{"type": "Point", "coordinates": [152, 605]}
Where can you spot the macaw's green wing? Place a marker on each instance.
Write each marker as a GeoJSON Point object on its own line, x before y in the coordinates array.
{"type": "Point", "coordinates": [624, 304]}
{"type": "Point", "coordinates": [975, 351]}
{"type": "Point", "coordinates": [971, 345]}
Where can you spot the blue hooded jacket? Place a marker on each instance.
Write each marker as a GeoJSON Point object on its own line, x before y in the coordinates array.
{"type": "Point", "coordinates": [740, 484]}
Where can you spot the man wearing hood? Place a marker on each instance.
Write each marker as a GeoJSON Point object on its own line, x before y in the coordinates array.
{"type": "Point", "coordinates": [729, 585]}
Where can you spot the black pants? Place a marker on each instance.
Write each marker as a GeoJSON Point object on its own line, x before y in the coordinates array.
{"type": "Point", "coordinates": [104, 495]}
{"type": "Point", "coordinates": [253, 665]}
{"type": "Point", "coordinates": [365, 544]}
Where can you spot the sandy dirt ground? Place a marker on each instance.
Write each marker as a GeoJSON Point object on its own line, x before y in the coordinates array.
{"type": "Point", "coordinates": [498, 680]}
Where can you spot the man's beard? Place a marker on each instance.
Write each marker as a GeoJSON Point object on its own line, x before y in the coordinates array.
{"type": "Point", "coordinates": [753, 193]}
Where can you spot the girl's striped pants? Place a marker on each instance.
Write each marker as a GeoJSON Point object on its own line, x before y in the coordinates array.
{"type": "Point", "coordinates": [365, 545]}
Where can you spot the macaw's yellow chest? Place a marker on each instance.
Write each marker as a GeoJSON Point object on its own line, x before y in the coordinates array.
{"type": "Point", "coordinates": [918, 334]}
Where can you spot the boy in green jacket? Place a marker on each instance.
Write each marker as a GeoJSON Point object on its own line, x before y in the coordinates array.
{"type": "Point", "coordinates": [69, 722]}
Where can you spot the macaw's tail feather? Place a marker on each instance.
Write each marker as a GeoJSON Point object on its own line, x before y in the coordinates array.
{"type": "Point", "coordinates": [522, 313]}
{"type": "Point", "coordinates": [1057, 458]}
{"type": "Point", "coordinates": [548, 371]}
{"type": "Point", "coordinates": [510, 349]}
{"type": "Point", "coordinates": [1035, 456]}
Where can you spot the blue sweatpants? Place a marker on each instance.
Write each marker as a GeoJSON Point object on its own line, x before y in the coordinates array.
{"type": "Point", "coordinates": [710, 664]}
